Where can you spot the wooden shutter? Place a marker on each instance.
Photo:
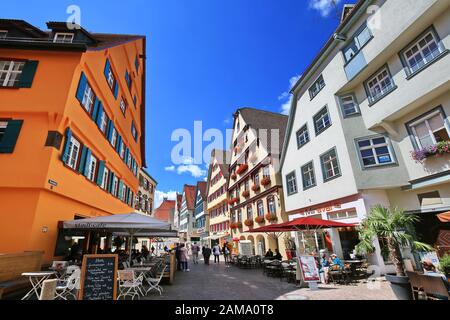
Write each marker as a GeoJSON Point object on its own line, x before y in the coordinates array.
{"type": "Point", "coordinates": [11, 135]}
{"type": "Point", "coordinates": [28, 72]}
{"type": "Point", "coordinates": [101, 171]}
{"type": "Point", "coordinates": [83, 160]}
{"type": "Point", "coordinates": [81, 87]}
{"type": "Point", "coordinates": [65, 155]}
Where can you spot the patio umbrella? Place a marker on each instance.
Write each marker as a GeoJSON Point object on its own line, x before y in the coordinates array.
{"type": "Point", "coordinates": [444, 217]}
{"type": "Point", "coordinates": [130, 224]}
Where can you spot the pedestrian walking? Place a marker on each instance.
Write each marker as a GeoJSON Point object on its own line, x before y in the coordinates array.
{"type": "Point", "coordinates": [216, 253]}
{"type": "Point", "coordinates": [225, 252]}
{"type": "Point", "coordinates": [184, 257]}
{"type": "Point", "coordinates": [177, 255]}
{"type": "Point", "coordinates": [206, 254]}
{"type": "Point", "coordinates": [195, 250]}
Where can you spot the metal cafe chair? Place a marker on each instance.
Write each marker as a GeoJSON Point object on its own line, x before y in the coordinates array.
{"type": "Point", "coordinates": [435, 288]}
{"type": "Point", "coordinates": [129, 284]}
{"type": "Point", "coordinates": [416, 281]}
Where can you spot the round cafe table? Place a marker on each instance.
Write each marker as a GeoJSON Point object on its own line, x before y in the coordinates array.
{"type": "Point", "coordinates": [36, 279]}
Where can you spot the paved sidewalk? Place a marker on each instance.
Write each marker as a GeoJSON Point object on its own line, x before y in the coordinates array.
{"type": "Point", "coordinates": [219, 282]}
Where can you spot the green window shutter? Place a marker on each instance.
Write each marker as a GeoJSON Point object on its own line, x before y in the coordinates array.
{"type": "Point", "coordinates": [81, 87]}
{"type": "Point", "coordinates": [83, 159]}
{"type": "Point", "coordinates": [11, 135]}
{"type": "Point", "coordinates": [111, 181]}
{"type": "Point", "coordinates": [101, 171]}
{"type": "Point", "coordinates": [65, 155]}
{"type": "Point", "coordinates": [119, 191]}
{"type": "Point", "coordinates": [28, 72]}
{"type": "Point", "coordinates": [88, 160]}
{"type": "Point", "coordinates": [95, 111]}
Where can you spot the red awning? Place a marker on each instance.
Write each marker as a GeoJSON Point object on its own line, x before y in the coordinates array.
{"type": "Point", "coordinates": [444, 217]}
{"type": "Point", "coordinates": [303, 224]}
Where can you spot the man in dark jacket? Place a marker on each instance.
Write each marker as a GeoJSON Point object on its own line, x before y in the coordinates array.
{"type": "Point", "coordinates": [177, 255]}
{"type": "Point", "coordinates": [206, 254]}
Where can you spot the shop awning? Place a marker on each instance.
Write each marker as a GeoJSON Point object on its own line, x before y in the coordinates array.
{"type": "Point", "coordinates": [444, 217]}
{"type": "Point", "coordinates": [305, 223]}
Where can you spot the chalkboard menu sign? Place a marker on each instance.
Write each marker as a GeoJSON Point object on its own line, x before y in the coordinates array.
{"type": "Point", "coordinates": [99, 277]}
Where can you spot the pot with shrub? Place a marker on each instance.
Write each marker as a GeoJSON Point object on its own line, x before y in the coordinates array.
{"type": "Point", "coordinates": [396, 229]}
{"type": "Point", "coordinates": [444, 265]}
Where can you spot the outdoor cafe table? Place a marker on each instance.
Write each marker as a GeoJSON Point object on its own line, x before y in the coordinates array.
{"type": "Point", "coordinates": [36, 279]}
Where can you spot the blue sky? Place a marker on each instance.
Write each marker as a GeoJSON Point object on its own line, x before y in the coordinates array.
{"type": "Point", "coordinates": [206, 58]}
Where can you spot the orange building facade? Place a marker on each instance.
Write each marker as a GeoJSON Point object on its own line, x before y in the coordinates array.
{"type": "Point", "coordinates": [72, 110]}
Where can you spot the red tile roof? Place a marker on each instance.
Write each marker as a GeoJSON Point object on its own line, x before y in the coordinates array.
{"type": "Point", "coordinates": [189, 192]}
{"type": "Point", "coordinates": [201, 185]}
{"type": "Point", "coordinates": [163, 212]}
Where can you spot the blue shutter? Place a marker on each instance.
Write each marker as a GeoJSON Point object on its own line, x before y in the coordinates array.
{"type": "Point", "coordinates": [119, 190]}
{"type": "Point", "coordinates": [119, 143]}
{"type": "Point", "coordinates": [99, 115]}
{"type": "Point", "coordinates": [107, 68]}
{"type": "Point", "coordinates": [95, 111]}
{"type": "Point", "coordinates": [127, 190]}
{"type": "Point", "coordinates": [101, 171]}
{"type": "Point", "coordinates": [127, 154]}
{"type": "Point", "coordinates": [28, 72]}
{"type": "Point", "coordinates": [65, 155]}
{"type": "Point", "coordinates": [8, 142]}
{"type": "Point", "coordinates": [110, 130]}
{"type": "Point", "coordinates": [83, 160]}
{"type": "Point", "coordinates": [116, 89]}
{"type": "Point", "coordinates": [81, 87]}
{"type": "Point", "coordinates": [135, 100]}
{"type": "Point", "coordinates": [88, 160]}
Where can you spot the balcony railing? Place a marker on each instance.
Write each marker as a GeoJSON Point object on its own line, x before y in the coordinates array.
{"type": "Point", "coordinates": [354, 66]}
{"type": "Point", "coordinates": [40, 40]}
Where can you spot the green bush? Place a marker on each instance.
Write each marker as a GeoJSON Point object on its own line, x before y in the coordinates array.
{"type": "Point", "coordinates": [444, 264]}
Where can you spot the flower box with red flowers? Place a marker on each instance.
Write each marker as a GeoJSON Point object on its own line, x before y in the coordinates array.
{"type": "Point", "coordinates": [233, 201]}
{"type": "Point", "coordinates": [256, 187]}
{"type": "Point", "coordinates": [248, 222]}
{"type": "Point", "coordinates": [259, 219]}
{"type": "Point", "coordinates": [271, 217]}
{"type": "Point", "coordinates": [242, 168]}
{"type": "Point", "coordinates": [233, 226]}
{"type": "Point", "coordinates": [246, 193]}
{"type": "Point", "coordinates": [266, 181]}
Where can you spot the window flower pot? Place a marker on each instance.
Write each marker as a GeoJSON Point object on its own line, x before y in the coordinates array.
{"type": "Point", "coordinates": [248, 222]}
{"type": "Point", "coordinates": [271, 217]}
{"type": "Point", "coordinates": [256, 188]}
{"type": "Point", "coordinates": [233, 201]}
{"type": "Point", "coordinates": [259, 219]}
{"type": "Point", "coordinates": [242, 168]}
{"type": "Point", "coordinates": [266, 181]}
{"type": "Point", "coordinates": [233, 226]}
{"type": "Point", "coordinates": [234, 176]}
{"type": "Point", "coordinates": [439, 149]}
{"type": "Point", "coordinates": [246, 193]}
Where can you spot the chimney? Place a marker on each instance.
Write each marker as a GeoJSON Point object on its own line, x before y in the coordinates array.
{"type": "Point", "coordinates": [346, 11]}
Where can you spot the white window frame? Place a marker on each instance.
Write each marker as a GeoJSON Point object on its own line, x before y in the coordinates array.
{"type": "Point", "coordinates": [122, 150]}
{"type": "Point", "coordinates": [114, 137]}
{"type": "Point", "coordinates": [104, 122]}
{"type": "Point", "coordinates": [115, 186]}
{"type": "Point", "coordinates": [316, 87]}
{"type": "Point", "coordinates": [319, 118]}
{"type": "Point", "coordinates": [302, 136]}
{"type": "Point", "coordinates": [291, 183]}
{"type": "Point", "coordinates": [72, 159]}
{"type": "Point", "coordinates": [376, 81]}
{"type": "Point", "coordinates": [357, 43]}
{"type": "Point", "coordinates": [426, 119]}
{"type": "Point", "coordinates": [12, 73]}
{"type": "Point", "coordinates": [271, 206]}
{"type": "Point", "coordinates": [249, 212]}
{"type": "Point", "coordinates": [308, 176]}
{"type": "Point", "coordinates": [92, 168]}
{"type": "Point", "coordinates": [66, 37]}
{"type": "Point", "coordinates": [88, 98]}
{"type": "Point", "coordinates": [349, 214]}
{"type": "Point", "coordinates": [105, 179]}
{"type": "Point", "coordinates": [373, 146]}
{"type": "Point", "coordinates": [334, 161]}
{"type": "Point", "coordinates": [345, 104]}
{"type": "Point", "coordinates": [123, 106]}
{"type": "Point", "coordinates": [266, 172]}
{"type": "Point", "coordinates": [423, 62]}
{"type": "Point", "coordinates": [3, 126]}
{"type": "Point", "coordinates": [111, 78]}
{"type": "Point", "coordinates": [258, 207]}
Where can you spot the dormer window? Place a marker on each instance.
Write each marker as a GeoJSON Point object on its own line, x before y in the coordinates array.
{"type": "Point", "coordinates": [3, 34]}
{"type": "Point", "coordinates": [63, 37]}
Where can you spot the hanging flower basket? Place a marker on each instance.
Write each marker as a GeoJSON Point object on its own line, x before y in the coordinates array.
{"type": "Point", "coordinates": [233, 201]}
{"type": "Point", "coordinates": [271, 217]}
{"type": "Point", "coordinates": [439, 149]}
{"type": "Point", "coordinates": [256, 187]}
{"type": "Point", "coordinates": [249, 222]}
{"type": "Point", "coordinates": [238, 225]}
{"type": "Point", "coordinates": [242, 168]}
{"type": "Point", "coordinates": [233, 226]}
{"type": "Point", "coordinates": [246, 193]}
{"type": "Point", "coordinates": [259, 219]}
{"type": "Point", "coordinates": [233, 176]}
{"type": "Point", "coordinates": [265, 181]}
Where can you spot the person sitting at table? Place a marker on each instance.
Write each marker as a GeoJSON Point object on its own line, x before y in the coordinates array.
{"type": "Point", "coordinates": [430, 270]}
{"type": "Point", "coordinates": [277, 255]}
{"type": "Point", "coordinates": [269, 253]}
{"type": "Point", "coordinates": [335, 261]}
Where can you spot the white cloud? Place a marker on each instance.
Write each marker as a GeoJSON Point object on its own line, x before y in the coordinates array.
{"type": "Point", "coordinates": [286, 96]}
{"type": "Point", "coordinates": [323, 6]}
{"type": "Point", "coordinates": [160, 195]}
{"type": "Point", "coordinates": [187, 166]}
{"type": "Point", "coordinates": [227, 121]}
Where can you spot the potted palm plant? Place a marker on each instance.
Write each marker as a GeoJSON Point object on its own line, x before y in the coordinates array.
{"type": "Point", "coordinates": [395, 228]}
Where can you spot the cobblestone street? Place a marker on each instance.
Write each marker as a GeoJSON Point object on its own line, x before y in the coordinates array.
{"type": "Point", "coordinates": [217, 281]}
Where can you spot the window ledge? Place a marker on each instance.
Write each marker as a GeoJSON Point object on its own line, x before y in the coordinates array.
{"type": "Point", "coordinates": [439, 57]}
{"type": "Point", "coordinates": [310, 187]}
{"type": "Point", "coordinates": [333, 178]}
{"type": "Point", "coordinates": [299, 147]}
{"type": "Point", "coordinates": [323, 130]}
{"type": "Point", "coordinates": [373, 102]}
{"type": "Point", "coordinates": [380, 166]}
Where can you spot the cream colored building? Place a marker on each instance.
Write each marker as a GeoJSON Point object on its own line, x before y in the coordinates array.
{"type": "Point", "coordinates": [255, 188]}
{"type": "Point", "coordinates": [217, 204]}
{"type": "Point", "coordinates": [377, 92]}
{"type": "Point", "coordinates": [145, 198]}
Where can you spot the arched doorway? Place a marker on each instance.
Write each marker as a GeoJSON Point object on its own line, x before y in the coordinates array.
{"type": "Point", "coordinates": [260, 245]}
{"type": "Point", "coordinates": [250, 238]}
